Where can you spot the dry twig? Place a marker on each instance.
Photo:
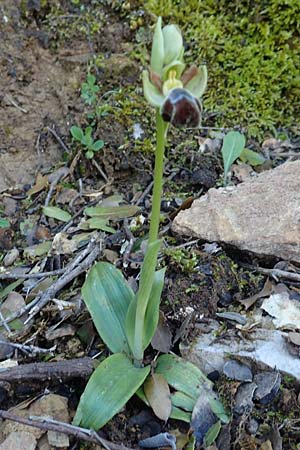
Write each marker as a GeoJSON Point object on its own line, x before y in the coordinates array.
{"type": "Point", "coordinates": [274, 272]}
{"type": "Point", "coordinates": [59, 140]}
{"type": "Point", "coordinates": [80, 264]}
{"type": "Point", "coordinates": [29, 349]}
{"type": "Point", "coordinates": [44, 423]}
{"type": "Point", "coordinates": [49, 371]}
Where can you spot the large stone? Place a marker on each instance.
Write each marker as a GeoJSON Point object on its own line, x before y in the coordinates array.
{"type": "Point", "coordinates": [261, 215]}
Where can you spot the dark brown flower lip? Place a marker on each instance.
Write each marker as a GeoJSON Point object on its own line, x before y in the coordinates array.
{"type": "Point", "coordinates": [182, 109]}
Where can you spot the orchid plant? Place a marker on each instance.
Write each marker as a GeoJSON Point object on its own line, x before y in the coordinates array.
{"type": "Point", "coordinates": [127, 321]}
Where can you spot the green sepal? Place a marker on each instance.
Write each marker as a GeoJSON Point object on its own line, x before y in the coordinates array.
{"type": "Point", "coordinates": [111, 385]}
{"type": "Point", "coordinates": [107, 297]}
{"type": "Point", "coordinates": [157, 52]}
{"type": "Point", "coordinates": [151, 93]}
{"type": "Point", "coordinates": [173, 44]}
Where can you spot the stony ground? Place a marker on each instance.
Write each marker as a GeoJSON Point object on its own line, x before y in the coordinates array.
{"type": "Point", "coordinates": [212, 290]}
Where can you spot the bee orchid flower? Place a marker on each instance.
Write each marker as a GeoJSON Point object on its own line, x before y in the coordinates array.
{"type": "Point", "coordinates": [176, 92]}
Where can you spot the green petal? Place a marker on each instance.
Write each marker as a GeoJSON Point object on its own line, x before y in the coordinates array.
{"type": "Point", "coordinates": [152, 94]}
{"type": "Point", "coordinates": [157, 52]}
{"type": "Point", "coordinates": [177, 65]}
{"type": "Point", "coordinates": [197, 85]}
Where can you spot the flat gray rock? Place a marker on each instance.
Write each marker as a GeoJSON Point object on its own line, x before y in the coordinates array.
{"type": "Point", "coordinates": [261, 215]}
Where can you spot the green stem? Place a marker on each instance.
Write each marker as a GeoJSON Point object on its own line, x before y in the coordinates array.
{"type": "Point", "coordinates": [161, 128]}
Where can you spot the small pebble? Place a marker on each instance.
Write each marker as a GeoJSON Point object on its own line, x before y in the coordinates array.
{"type": "Point", "coordinates": [237, 371]}
{"type": "Point", "coordinates": [268, 384]}
{"type": "Point", "coordinates": [243, 398]}
{"type": "Point", "coordinates": [159, 440]}
{"type": "Point", "coordinates": [11, 257]}
{"type": "Point", "coordinates": [233, 317]}
{"type": "Point", "coordinates": [252, 426]}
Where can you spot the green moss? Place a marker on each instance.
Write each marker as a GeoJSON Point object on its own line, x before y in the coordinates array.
{"type": "Point", "coordinates": [252, 51]}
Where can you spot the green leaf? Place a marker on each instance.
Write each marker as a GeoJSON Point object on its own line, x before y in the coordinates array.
{"type": "Point", "coordinates": [179, 414]}
{"type": "Point", "coordinates": [233, 145]}
{"type": "Point", "coordinates": [112, 212]}
{"type": "Point", "coordinates": [111, 385]}
{"type": "Point", "coordinates": [96, 223]}
{"type": "Point", "coordinates": [77, 133]}
{"type": "Point", "coordinates": [152, 311]}
{"type": "Point", "coordinates": [4, 223]}
{"type": "Point", "coordinates": [91, 79]}
{"type": "Point", "coordinates": [183, 401]}
{"type": "Point", "coordinates": [212, 434]}
{"type": "Point", "coordinates": [146, 284]}
{"type": "Point", "coordinates": [251, 157]}
{"type": "Point", "coordinates": [89, 154]}
{"type": "Point", "coordinates": [151, 315]}
{"type": "Point", "coordinates": [218, 409]}
{"type": "Point", "coordinates": [98, 145]}
{"type": "Point", "coordinates": [182, 375]}
{"type": "Point", "coordinates": [192, 443]}
{"type": "Point", "coordinates": [11, 287]}
{"type": "Point", "coordinates": [37, 250]}
{"type": "Point", "coordinates": [57, 213]}
{"type": "Point", "coordinates": [107, 297]}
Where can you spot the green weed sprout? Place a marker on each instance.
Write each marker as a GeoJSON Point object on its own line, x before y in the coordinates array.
{"type": "Point", "coordinates": [89, 90]}
{"type": "Point", "coordinates": [86, 139]}
{"type": "Point", "coordinates": [233, 148]}
{"type": "Point", "coordinates": [127, 321]}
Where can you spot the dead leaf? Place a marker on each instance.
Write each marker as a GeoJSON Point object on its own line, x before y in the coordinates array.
{"type": "Point", "coordinates": [40, 184]}
{"type": "Point", "coordinates": [42, 233]}
{"type": "Point", "coordinates": [242, 171]}
{"type": "Point", "coordinates": [265, 292]}
{"type": "Point", "coordinates": [37, 250]}
{"type": "Point", "coordinates": [162, 339]}
{"type": "Point", "coordinates": [266, 445]}
{"type": "Point", "coordinates": [65, 330]}
{"type": "Point", "coordinates": [158, 395]}
{"type": "Point", "coordinates": [66, 195]}
{"type": "Point", "coordinates": [11, 257]}
{"type": "Point", "coordinates": [181, 438]}
{"type": "Point", "coordinates": [12, 304]}
{"type": "Point", "coordinates": [62, 245]}
{"type": "Point", "coordinates": [6, 350]}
